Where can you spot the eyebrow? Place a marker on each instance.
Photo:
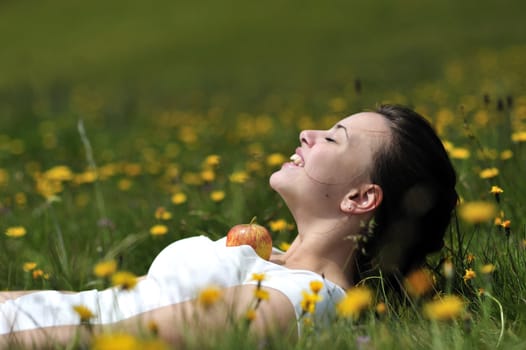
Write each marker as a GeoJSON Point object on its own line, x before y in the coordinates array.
{"type": "Point", "coordinates": [339, 126]}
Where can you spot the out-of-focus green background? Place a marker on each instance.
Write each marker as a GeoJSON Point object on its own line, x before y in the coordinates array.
{"type": "Point", "coordinates": [186, 52]}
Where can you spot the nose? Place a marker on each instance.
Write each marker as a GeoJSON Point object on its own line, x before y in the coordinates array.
{"type": "Point", "coordinates": [308, 137]}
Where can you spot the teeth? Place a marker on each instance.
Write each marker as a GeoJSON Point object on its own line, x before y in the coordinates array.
{"type": "Point", "coordinates": [296, 159]}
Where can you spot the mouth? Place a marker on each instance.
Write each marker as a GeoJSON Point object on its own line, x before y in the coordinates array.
{"type": "Point", "coordinates": [297, 160]}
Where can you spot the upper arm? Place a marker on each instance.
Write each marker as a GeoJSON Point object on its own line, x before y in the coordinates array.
{"type": "Point", "coordinates": [176, 322]}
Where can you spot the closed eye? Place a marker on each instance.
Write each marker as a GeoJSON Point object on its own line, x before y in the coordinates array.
{"type": "Point", "coordinates": [330, 139]}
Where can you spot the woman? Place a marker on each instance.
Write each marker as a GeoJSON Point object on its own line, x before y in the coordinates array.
{"type": "Point", "coordinates": [374, 192]}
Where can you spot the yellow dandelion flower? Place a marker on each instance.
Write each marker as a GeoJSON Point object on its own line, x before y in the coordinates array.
{"type": "Point", "coordinates": [15, 231]}
{"type": "Point", "coordinates": [261, 294]}
{"type": "Point", "coordinates": [487, 269]}
{"type": "Point", "coordinates": [316, 286]}
{"type": "Point", "coordinates": [105, 269]}
{"type": "Point", "coordinates": [124, 280]}
{"type": "Point", "coordinates": [356, 300]}
{"type": "Point", "coordinates": [446, 308]}
{"type": "Point", "coordinates": [489, 173]}
{"type": "Point", "coordinates": [209, 296]}
{"type": "Point", "coordinates": [470, 258]}
{"type": "Point", "coordinates": [124, 184]}
{"type": "Point", "coordinates": [381, 308]}
{"type": "Point", "coordinates": [477, 211]}
{"type": "Point", "coordinates": [217, 196]}
{"type": "Point", "coordinates": [162, 214]}
{"type": "Point", "coordinates": [212, 160]}
{"type": "Point", "coordinates": [506, 224]}
{"type": "Point", "coordinates": [496, 190]}
{"type": "Point", "coordinates": [459, 153]}
{"type": "Point", "coordinates": [208, 175]}
{"type": "Point", "coordinates": [497, 221]}
{"type": "Point", "coordinates": [519, 136]}
{"type": "Point", "coordinates": [59, 173]}
{"type": "Point", "coordinates": [28, 266]}
{"type": "Point", "coordinates": [278, 225]}
{"type": "Point", "coordinates": [179, 198]}
{"type": "Point", "coordinates": [506, 154]}
{"type": "Point", "coordinates": [250, 315]}
{"type": "Point", "coordinates": [20, 199]}
{"type": "Point", "coordinates": [419, 282]}
{"type": "Point", "coordinates": [276, 159]}
{"type": "Point", "coordinates": [158, 230]}
{"type": "Point", "coordinates": [84, 313]}
{"type": "Point", "coordinates": [470, 274]}
{"type": "Point", "coordinates": [115, 341]}
{"type": "Point", "coordinates": [309, 301]}
{"type": "Point", "coordinates": [284, 246]}
{"type": "Point", "coordinates": [258, 277]}
{"type": "Point", "coordinates": [239, 177]}
{"type": "Point", "coordinates": [37, 273]}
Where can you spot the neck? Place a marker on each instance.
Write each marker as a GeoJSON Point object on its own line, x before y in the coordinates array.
{"type": "Point", "coordinates": [323, 246]}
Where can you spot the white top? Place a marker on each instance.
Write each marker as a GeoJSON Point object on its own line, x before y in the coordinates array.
{"type": "Point", "coordinates": [177, 274]}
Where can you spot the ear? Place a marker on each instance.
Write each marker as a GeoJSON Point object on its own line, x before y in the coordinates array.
{"type": "Point", "coordinates": [365, 199]}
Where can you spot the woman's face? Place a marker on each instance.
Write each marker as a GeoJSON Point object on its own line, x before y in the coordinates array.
{"type": "Point", "coordinates": [330, 163]}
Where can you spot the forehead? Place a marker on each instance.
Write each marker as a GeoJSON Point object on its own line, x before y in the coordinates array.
{"type": "Point", "coordinates": [367, 122]}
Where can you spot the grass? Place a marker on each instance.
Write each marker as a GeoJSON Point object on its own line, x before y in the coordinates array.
{"type": "Point", "coordinates": [144, 94]}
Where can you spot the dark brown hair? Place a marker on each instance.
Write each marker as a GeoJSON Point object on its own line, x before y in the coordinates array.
{"type": "Point", "coordinates": [418, 183]}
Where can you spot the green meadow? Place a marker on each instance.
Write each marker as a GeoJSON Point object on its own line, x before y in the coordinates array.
{"type": "Point", "coordinates": [127, 125]}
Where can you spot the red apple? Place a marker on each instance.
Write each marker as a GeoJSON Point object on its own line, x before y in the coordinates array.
{"type": "Point", "coordinates": [253, 235]}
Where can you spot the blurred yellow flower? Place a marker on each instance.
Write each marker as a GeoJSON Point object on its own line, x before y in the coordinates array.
{"type": "Point", "coordinates": [124, 280]}
{"type": "Point", "coordinates": [158, 230]}
{"type": "Point", "coordinates": [124, 184]}
{"type": "Point", "coordinates": [489, 173]}
{"type": "Point", "coordinates": [250, 315]}
{"type": "Point", "coordinates": [217, 195]}
{"type": "Point", "coordinates": [380, 308]}
{"type": "Point", "coordinates": [59, 173]}
{"type": "Point", "coordinates": [487, 269]}
{"type": "Point", "coordinates": [4, 177]}
{"type": "Point", "coordinates": [470, 274]}
{"type": "Point", "coordinates": [496, 190]}
{"type": "Point", "coordinates": [470, 257]}
{"type": "Point", "coordinates": [105, 269]}
{"type": "Point", "coordinates": [506, 154]}
{"type": "Point", "coordinates": [209, 296]}
{"type": "Point", "coordinates": [162, 214]}
{"type": "Point", "coordinates": [278, 225]}
{"type": "Point", "coordinates": [15, 231]}
{"type": "Point", "coordinates": [258, 277]}
{"type": "Point", "coordinates": [36, 273]}
{"type": "Point", "coordinates": [284, 246]}
{"type": "Point", "coordinates": [115, 341]}
{"type": "Point", "coordinates": [239, 177]}
{"type": "Point", "coordinates": [28, 266]}
{"type": "Point", "coordinates": [261, 294]}
{"type": "Point", "coordinates": [460, 153]}
{"type": "Point", "coordinates": [208, 175]}
{"type": "Point", "coordinates": [309, 301]}
{"type": "Point", "coordinates": [355, 301]}
{"type": "Point", "coordinates": [519, 136]}
{"type": "Point", "coordinates": [316, 286]}
{"type": "Point", "coordinates": [446, 308]}
{"type": "Point", "coordinates": [190, 178]}
{"type": "Point", "coordinates": [178, 198]}
{"type": "Point", "coordinates": [419, 282]}
{"type": "Point", "coordinates": [84, 313]}
{"type": "Point", "coordinates": [212, 160]}
{"type": "Point", "coordinates": [477, 211]}
{"type": "Point", "coordinates": [276, 159]}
